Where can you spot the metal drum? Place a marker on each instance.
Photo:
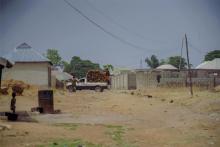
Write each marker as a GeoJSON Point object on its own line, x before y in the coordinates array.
{"type": "Point", "coordinates": [45, 100]}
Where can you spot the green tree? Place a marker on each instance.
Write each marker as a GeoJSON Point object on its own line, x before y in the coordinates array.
{"type": "Point", "coordinates": [212, 55]}
{"type": "Point", "coordinates": [80, 67]}
{"type": "Point", "coordinates": [67, 67]}
{"type": "Point", "coordinates": [108, 66]}
{"type": "Point", "coordinates": [162, 61]}
{"type": "Point", "coordinates": [53, 56]}
{"type": "Point", "coordinates": [152, 62]}
{"type": "Point", "coordinates": [175, 61]}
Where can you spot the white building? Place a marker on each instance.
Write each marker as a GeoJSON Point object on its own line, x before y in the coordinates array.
{"type": "Point", "coordinates": [30, 66]}
{"type": "Point", "coordinates": [214, 64]}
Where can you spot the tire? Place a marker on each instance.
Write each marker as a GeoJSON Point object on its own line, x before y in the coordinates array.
{"type": "Point", "coordinates": [98, 89]}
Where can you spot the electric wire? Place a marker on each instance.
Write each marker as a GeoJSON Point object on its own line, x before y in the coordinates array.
{"type": "Point", "coordinates": [103, 29]}
{"type": "Point", "coordinates": [122, 27]}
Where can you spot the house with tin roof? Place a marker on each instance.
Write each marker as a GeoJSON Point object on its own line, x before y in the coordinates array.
{"type": "Point", "coordinates": [29, 66]}
{"type": "Point", "coordinates": [214, 64]}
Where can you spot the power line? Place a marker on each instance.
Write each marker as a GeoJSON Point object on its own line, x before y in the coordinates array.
{"type": "Point", "coordinates": [123, 27]}
{"type": "Point", "coordinates": [195, 48]}
{"type": "Point", "coordinates": [103, 29]}
{"type": "Point", "coordinates": [114, 21]}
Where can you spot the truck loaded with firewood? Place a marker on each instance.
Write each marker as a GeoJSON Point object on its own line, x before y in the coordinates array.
{"type": "Point", "coordinates": [95, 80]}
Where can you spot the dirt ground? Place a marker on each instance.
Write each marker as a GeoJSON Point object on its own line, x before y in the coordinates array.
{"type": "Point", "coordinates": [170, 118]}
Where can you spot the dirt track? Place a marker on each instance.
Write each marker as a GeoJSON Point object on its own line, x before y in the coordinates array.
{"type": "Point", "coordinates": [119, 119]}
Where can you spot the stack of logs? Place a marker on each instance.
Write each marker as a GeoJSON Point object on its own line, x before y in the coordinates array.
{"type": "Point", "coordinates": [16, 86]}
{"type": "Point", "coordinates": [97, 76]}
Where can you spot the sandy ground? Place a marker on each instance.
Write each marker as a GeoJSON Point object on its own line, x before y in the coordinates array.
{"type": "Point", "coordinates": [170, 118]}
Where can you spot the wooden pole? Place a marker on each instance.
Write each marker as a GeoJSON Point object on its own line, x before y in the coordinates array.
{"type": "Point", "coordinates": [189, 69]}
{"type": "Point", "coordinates": [181, 54]}
{"type": "Point", "coordinates": [1, 67]}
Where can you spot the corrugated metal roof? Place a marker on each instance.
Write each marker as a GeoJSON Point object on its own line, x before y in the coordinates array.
{"type": "Point", "coordinates": [214, 64]}
{"type": "Point", "coordinates": [25, 53]}
{"type": "Point", "coordinates": [62, 76]}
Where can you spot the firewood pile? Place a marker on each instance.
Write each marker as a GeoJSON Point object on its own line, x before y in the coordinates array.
{"type": "Point", "coordinates": [18, 89]}
{"type": "Point", "coordinates": [4, 90]}
{"type": "Point", "coordinates": [97, 76]}
{"type": "Point", "coordinates": [16, 86]}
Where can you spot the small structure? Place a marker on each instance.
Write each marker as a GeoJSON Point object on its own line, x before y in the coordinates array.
{"type": "Point", "coordinates": [30, 66]}
{"type": "Point", "coordinates": [123, 79]}
{"type": "Point", "coordinates": [59, 78]}
{"type": "Point", "coordinates": [166, 67]}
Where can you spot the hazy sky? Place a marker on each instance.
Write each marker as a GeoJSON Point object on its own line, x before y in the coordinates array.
{"type": "Point", "coordinates": [157, 26]}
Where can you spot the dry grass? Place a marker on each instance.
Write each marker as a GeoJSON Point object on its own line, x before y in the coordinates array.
{"type": "Point", "coordinates": [155, 121]}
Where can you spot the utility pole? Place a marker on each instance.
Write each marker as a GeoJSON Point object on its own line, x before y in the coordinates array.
{"type": "Point", "coordinates": [181, 54]}
{"type": "Point", "coordinates": [189, 69]}
{"type": "Point", "coordinates": [1, 67]}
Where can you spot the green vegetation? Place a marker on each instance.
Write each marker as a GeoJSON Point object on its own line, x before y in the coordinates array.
{"type": "Point", "coordinates": [116, 133]}
{"type": "Point", "coordinates": [70, 143]}
{"type": "Point", "coordinates": [80, 67]}
{"type": "Point", "coordinates": [175, 61]}
{"type": "Point", "coordinates": [152, 62]}
{"type": "Point", "coordinates": [108, 67]}
{"type": "Point", "coordinates": [212, 55]}
{"type": "Point", "coordinates": [53, 56]}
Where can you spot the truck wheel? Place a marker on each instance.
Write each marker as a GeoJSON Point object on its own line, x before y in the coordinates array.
{"type": "Point", "coordinates": [98, 89]}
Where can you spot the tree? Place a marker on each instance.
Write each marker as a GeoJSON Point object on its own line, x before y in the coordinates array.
{"type": "Point", "coordinates": [66, 65]}
{"type": "Point", "coordinates": [175, 61]}
{"type": "Point", "coordinates": [152, 62]}
{"type": "Point", "coordinates": [80, 67]}
{"type": "Point", "coordinates": [212, 55]}
{"type": "Point", "coordinates": [162, 61]}
{"type": "Point", "coordinates": [108, 67]}
{"type": "Point", "coordinates": [53, 56]}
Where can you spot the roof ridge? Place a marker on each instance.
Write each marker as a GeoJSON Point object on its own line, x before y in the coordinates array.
{"type": "Point", "coordinates": [23, 46]}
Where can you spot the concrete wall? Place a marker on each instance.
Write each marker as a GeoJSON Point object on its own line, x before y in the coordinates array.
{"type": "Point", "coordinates": [146, 79]}
{"type": "Point", "coordinates": [124, 81]}
{"type": "Point", "coordinates": [131, 81]}
{"type": "Point", "coordinates": [169, 78]}
{"type": "Point", "coordinates": [31, 73]}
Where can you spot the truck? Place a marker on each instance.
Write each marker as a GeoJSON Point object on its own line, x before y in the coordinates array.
{"type": "Point", "coordinates": [94, 80]}
{"type": "Point", "coordinates": [83, 84]}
